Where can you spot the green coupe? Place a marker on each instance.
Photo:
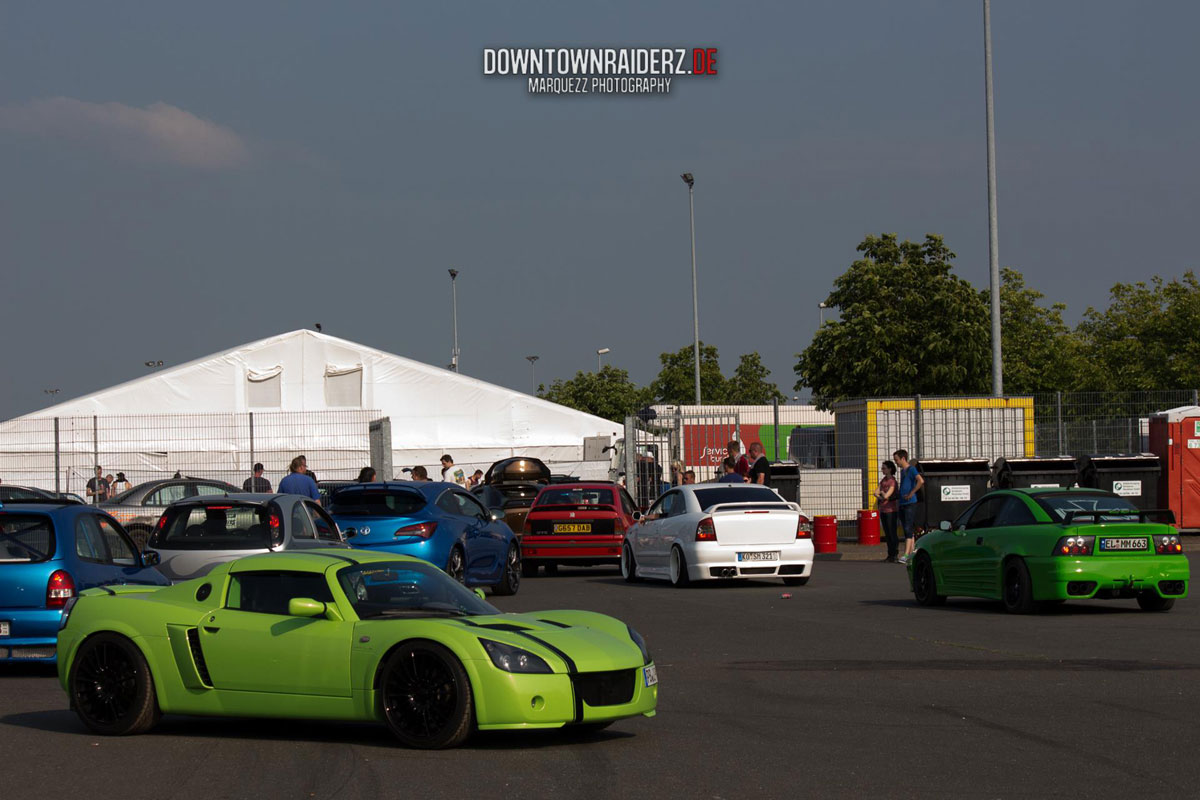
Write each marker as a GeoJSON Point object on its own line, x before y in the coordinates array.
{"type": "Point", "coordinates": [1031, 548]}
{"type": "Point", "coordinates": [345, 635]}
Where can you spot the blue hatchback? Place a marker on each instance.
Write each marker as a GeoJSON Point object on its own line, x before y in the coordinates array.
{"type": "Point", "coordinates": [439, 522]}
{"type": "Point", "coordinates": [49, 552]}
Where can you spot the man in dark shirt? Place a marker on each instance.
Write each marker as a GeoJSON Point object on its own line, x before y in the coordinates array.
{"type": "Point", "coordinates": [97, 487]}
{"type": "Point", "coordinates": [257, 483]}
{"type": "Point", "coordinates": [760, 468]}
{"type": "Point", "coordinates": [731, 474]}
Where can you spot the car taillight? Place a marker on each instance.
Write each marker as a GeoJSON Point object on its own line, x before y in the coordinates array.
{"type": "Point", "coordinates": [1167, 545]}
{"type": "Point", "coordinates": [803, 527]}
{"type": "Point", "coordinates": [1074, 546]}
{"type": "Point", "coordinates": [619, 525]}
{"type": "Point", "coordinates": [162, 523]}
{"type": "Point", "coordinates": [706, 531]}
{"type": "Point", "coordinates": [59, 589]}
{"type": "Point", "coordinates": [422, 529]}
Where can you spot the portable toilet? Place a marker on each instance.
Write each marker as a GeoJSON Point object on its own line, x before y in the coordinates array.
{"type": "Point", "coordinates": [1175, 439]}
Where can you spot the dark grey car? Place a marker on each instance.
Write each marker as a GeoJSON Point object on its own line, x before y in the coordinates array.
{"type": "Point", "coordinates": [139, 508]}
{"type": "Point", "coordinates": [197, 534]}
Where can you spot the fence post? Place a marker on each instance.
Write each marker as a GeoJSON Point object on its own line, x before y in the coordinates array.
{"type": "Point", "coordinates": [1058, 404]}
{"type": "Point", "coordinates": [917, 427]}
{"type": "Point", "coordinates": [95, 456]}
{"type": "Point", "coordinates": [1095, 442]}
{"type": "Point", "coordinates": [1195, 397]}
{"type": "Point", "coordinates": [57, 461]}
{"type": "Point", "coordinates": [252, 462]}
{"type": "Point", "coordinates": [777, 458]}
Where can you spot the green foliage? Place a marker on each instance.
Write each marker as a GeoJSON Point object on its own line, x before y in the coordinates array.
{"type": "Point", "coordinates": [676, 381]}
{"type": "Point", "coordinates": [1041, 353]}
{"type": "Point", "coordinates": [1147, 338]}
{"type": "Point", "coordinates": [608, 393]}
{"type": "Point", "coordinates": [749, 385]}
{"type": "Point", "coordinates": [906, 325]}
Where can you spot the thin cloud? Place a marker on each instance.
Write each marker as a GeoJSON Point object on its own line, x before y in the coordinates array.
{"type": "Point", "coordinates": [159, 132]}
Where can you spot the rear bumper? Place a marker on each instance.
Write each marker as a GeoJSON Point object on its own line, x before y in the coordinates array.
{"type": "Point", "coordinates": [714, 561]}
{"type": "Point", "coordinates": [1108, 576]}
{"type": "Point", "coordinates": [568, 547]}
{"type": "Point", "coordinates": [33, 634]}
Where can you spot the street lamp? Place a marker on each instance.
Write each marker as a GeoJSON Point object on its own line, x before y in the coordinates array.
{"type": "Point", "coordinates": [691, 183]}
{"type": "Point", "coordinates": [153, 364]}
{"type": "Point", "coordinates": [993, 234]}
{"type": "Point", "coordinates": [821, 305]}
{"type": "Point", "coordinates": [599, 353]}
{"type": "Point", "coordinates": [533, 370]}
{"type": "Point", "coordinates": [51, 392]}
{"type": "Point", "coordinates": [454, 305]}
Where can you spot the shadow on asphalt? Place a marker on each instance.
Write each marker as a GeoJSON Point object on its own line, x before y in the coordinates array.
{"type": "Point", "coordinates": [972, 606]}
{"type": "Point", "coordinates": [725, 584]}
{"type": "Point", "coordinates": [16, 669]}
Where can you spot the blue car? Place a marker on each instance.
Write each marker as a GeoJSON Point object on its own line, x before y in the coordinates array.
{"type": "Point", "coordinates": [439, 522]}
{"type": "Point", "coordinates": [49, 552]}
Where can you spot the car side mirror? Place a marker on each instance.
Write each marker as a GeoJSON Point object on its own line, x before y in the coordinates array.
{"type": "Point", "coordinates": [305, 607]}
{"type": "Point", "coordinates": [497, 515]}
{"type": "Point", "coordinates": [944, 525]}
{"type": "Point", "coordinates": [479, 593]}
{"type": "Point", "coordinates": [637, 515]}
{"type": "Point", "coordinates": [349, 533]}
{"type": "Point", "coordinates": [151, 558]}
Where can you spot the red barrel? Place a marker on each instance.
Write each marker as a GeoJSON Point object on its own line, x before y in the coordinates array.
{"type": "Point", "coordinates": [825, 533]}
{"type": "Point", "coordinates": [868, 526]}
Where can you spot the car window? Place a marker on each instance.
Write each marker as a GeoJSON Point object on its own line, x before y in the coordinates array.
{"type": "Point", "coordinates": [14, 494]}
{"type": "Point", "coordinates": [210, 488]}
{"type": "Point", "coordinates": [269, 592]}
{"type": "Point", "coordinates": [656, 510]}
{"type": "Point", "coordinates": [1014, 512]}
{"type": "Point", "coordinates": [732, 493]}
{"type": "Point", "coordinates": [381, 502]}
{"type": "Point", "coordinates": [165, 495]}
{"type": "Point", "coordinates": [672, 504]}
{"type": "Point", "coordinates": [984, 515]}
{"type": "Point", "coordinates": [25, 538]}
{"type": "Point", "coordinates": [215, 527]}
{"type": "Point", "coordinates": [302, 527]}
{"type": "Point", "coordinates": [472, 507]}
{"type": "Point", "coordinates": [323, 524]}
{"type": "Point", "coordinates": [89, 542]}
{"type": "Point", "coordinates": [120, 550]}
{"type": "Point", "coordinates": [1059, 505]}
{"type": "Point", "coordinates": [448, 502]}
{"type": "Point", "coordinates": [627, 503]}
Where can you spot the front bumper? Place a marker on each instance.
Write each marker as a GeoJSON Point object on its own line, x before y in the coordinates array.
{"type": "Point", "coordinates": [509, 701]}
{"type": "Point", "coordinates": [1056, 578]}
{"type": "Point", "coordinates": [713, 560]}
{"type": "Point", "coordinates": [33, 635]}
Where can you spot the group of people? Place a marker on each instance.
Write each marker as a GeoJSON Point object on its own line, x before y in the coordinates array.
{"type": "Point", "coordinates": [101, 487]}
{"type": "Point", "coordinates": [735, 467]}
{"type": "Point", "coordinates": [897, 499]}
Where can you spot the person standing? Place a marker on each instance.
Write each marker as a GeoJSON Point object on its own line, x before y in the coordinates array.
{"type": "Point", "coordinates": [911, 482]}
{"type": "Point", "coordinates": [97, 487]}
{"type": "Point", "coordinates": [888, 495]}
{"type": "Point", "coordinates": [475, 480]}
{"type": "Point", "coordinates": [298, 482]}
{"type": "Point", "coordinates": [119, 485]}
{"type": "Point", "coordinates": [760, 468]}
{"type": "Point", "coordinates": [451, 473]}
{"type": "Point", "coordinates": [366, 475]}
{"type": "Point", "coordinates": [689, 477]}
{"type": "Point", "coordinates": [731, 475]}
{"type": "Point", "coordinates": [734, 450]}
{"type": "Point", "coordinates": [257, 483]}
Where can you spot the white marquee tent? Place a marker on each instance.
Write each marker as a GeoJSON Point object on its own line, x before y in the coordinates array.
{"type": "Point", "coordinates": [306, 392]}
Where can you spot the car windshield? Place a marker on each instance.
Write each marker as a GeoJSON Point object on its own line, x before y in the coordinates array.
{"type": "Point", "coordinates": [707, 498]}
{"type": "Point", "coordinates": [377, 502]}
{"type": "Point", "coordinates": [1117, 509]}
{"type": "Point", "coordinates": [25, 538]}
{"type": "Point", "coordinates": [122, 497]}
{"type": "Point", "coordinates": [407, 589]}
{"type": "Point", "coordinates": [15, 494]}
{"type": "Point", "coordinates": [215, 527]}
{"type": "Point", "coordinates": [576, 497]}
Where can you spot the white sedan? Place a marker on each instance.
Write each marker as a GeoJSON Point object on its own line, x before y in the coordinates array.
{"type": "Point", "coordinates": [713, 530]}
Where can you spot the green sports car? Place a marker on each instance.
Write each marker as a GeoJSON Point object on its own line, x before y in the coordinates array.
{"type": "Point", "coordinates": [345, 635]}
{"type": "Point", "coordinates": [1031, 548]}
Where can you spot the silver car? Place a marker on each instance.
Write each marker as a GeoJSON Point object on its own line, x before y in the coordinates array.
{"type": "Point", "coordinates": [138, 510]}
{"type": "Point", "coordinates": [196, 534]}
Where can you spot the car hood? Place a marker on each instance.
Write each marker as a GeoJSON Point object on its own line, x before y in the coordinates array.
{"type": "Point", "coordinates": [587, 641]}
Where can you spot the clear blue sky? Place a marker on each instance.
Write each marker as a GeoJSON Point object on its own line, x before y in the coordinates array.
{"type": "Point", "coordinates": [180, 179]}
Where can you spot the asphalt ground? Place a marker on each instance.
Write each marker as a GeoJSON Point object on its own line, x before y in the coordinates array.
{"type": "Point", "coordinates": [846, 689]}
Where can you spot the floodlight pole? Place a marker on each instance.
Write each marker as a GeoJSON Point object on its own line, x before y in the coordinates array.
{"type": "Point", "coordinates": [691, 182]}
{"type": "Point", "coordinates": [993, 235]}
{"type": "Point", "coordinates": [533, 370]}
{"type": "Point", "coordinates": [454, 307]}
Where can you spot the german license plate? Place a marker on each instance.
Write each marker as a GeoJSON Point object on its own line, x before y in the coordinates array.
{"type": "Point", "coordinates": [650, 673]}
{"type": "Point", "coordinates": [573, 528]}
{"type": "Point", "coordinates": [3, 628]}
{"type": "Point", "coordinates": [1135, 543]}
{"type": "Point", "coordinates": [768, 555]}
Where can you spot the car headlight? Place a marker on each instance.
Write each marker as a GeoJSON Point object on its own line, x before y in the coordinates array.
{"type": "Point", "coordinates": [640, 642]}
{"type": "Point", "coordinates": [66, 612]}
{"type": "Point", "coordinates": [513, 659]}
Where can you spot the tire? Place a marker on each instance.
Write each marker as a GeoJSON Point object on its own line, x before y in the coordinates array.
{"type": "Point", "coordinates": [679, 573]}
{"type": "Point", "coordinates": [111, 687]}
{"type": "Point", "coordinates": [1149, 601]}
{"type": "Point", "coordinates": [796, 581]}
{"type": "Point", "coordinates": [510, 581]}
{"type": "Point", "coordinates": [426, 696]}
{"type": "Point", "coordinates": [1017, 589]}
{"type": "Point", "coordinates": [456, 564]}
{"type": "Point", "coordinates": [925, 588]}
{"type": "Point", "coordinates": [628, 564]}
{"type": "Point", "coordinates": [529, 569]}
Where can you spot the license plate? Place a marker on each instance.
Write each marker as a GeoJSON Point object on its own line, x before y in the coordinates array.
{"type": "Point", "coordinates": [573, 528]}
{"type": "Point", "coordinates": [650, 673]}
{"type": "Point", "coordinates": [1137, 543]}
{"type": "Point", "coordinates": [3, 628]}
{"type": "Point", "coordinates": [770, 555]}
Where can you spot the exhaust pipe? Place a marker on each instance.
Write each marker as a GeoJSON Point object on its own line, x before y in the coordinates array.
{"type": "Point", "coordinates": [729, 572]}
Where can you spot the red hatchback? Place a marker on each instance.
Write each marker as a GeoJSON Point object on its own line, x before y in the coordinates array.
{"type": "Point", "coordinates": [576, 523]}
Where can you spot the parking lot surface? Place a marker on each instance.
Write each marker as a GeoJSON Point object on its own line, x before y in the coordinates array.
{"type": "Point", "coordinates": [844, 689]}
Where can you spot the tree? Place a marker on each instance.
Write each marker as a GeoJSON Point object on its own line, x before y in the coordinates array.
{"type": "Point", "coordinates": [1041, 353]}
{"type": "Point", "coordinates": [676, 381]}
{"type": "Point", "coordinates": [906, 325]}
{"type": "Point", "coordinates": [1147, 338]}
{"type": "Point", "coordinates": [608, 393]}
{"type": "Point", "coordinates": [749, 385]}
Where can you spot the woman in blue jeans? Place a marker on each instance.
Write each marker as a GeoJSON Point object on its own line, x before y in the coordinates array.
{"type": "Point", "coordinates": [888, 495]}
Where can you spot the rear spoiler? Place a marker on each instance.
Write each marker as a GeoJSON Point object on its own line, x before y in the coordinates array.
{"type": "Point", "coordinates": [1142, 516]}
{"type": "Point", "coordinates": [751, 505]}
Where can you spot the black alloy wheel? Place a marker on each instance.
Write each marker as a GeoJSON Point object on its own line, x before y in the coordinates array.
{"type": "Point", "coordinates": [456, 565]}
{"type": "Point", "coordinates": [111, 688]}
{"type": "Point", "coordinates": [1018, 588]}
{"type": "Point", "coordinates": [925, 583]}
{"type": "Point", "coordinates": [510, 581]}
{"type": "Point", "coordinates": [426, 696]}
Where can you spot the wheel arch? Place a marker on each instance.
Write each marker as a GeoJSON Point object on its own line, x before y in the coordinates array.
{"type": "Point", "coordinates": [117, 628]}
{"type": "Point", "coordinates": [469, 664]}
